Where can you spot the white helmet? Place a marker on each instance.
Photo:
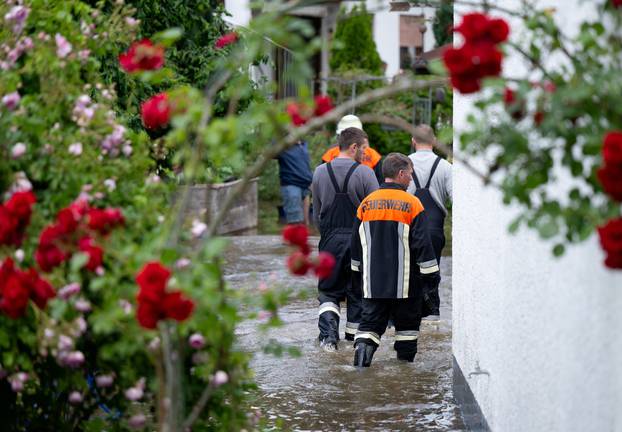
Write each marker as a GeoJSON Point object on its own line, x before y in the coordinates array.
{"type": "Point", "coordinates": [349, 121]}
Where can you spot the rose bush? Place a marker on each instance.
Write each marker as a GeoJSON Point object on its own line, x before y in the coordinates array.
{"type": "Point", "coordinates": [555, 120]}
{"type": "Point", "coordinates": [113, 310]}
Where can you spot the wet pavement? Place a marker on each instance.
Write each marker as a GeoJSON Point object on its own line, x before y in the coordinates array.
{"type": "Point", "coordinates": [322, 391]}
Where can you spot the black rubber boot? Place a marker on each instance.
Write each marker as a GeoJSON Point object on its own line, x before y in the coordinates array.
{"type": "Point", "coordinates": [328, 323]}
{"type": "Point", "coordinates": [363, 354]}
{"type": "Point", "coordinates": [406, 357]}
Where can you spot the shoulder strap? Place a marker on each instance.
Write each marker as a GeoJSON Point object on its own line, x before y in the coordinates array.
{"type": "Point", "coordinates": [436, 162]}
{"type": "Point", "coordinates": [331, 174]}
{"type": "Point", "coordinates": [416, 180]}
{"type": "Point", "coordinates": [348, 175]}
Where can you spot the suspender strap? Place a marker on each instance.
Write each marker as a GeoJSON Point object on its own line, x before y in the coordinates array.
{"type": "Point", "coordinates": [348, 175]}
{"type": "Point", "coordinates": [436, 162]}
{"type": "Point", "coordinates": [331, 174]}
{"type": "Point", "coordinates": [416, 180]}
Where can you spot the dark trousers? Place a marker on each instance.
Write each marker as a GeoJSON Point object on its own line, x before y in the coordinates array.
{"type": "Point", "coordinates": [431, 299]}
{"type": "Point", "coordinates": [406, 314]}
{"type": "Point", "coordinates": [338, 287]}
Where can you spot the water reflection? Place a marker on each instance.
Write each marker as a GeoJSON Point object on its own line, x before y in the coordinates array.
{"type": "Point", "coordinates": [322, 391]}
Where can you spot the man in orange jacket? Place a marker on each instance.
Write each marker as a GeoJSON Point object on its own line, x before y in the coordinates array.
{"type": "Point", "coordinates": [371, 157]}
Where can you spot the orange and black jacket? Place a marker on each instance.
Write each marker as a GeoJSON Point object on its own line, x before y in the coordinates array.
{"type": "Point", "coordinates": [371, 158]}
{"type": "Point", "coordinates": [391, 246]}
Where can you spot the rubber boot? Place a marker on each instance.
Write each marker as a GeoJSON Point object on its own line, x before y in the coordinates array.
{"type": "Point", "coordinates": [363, 354]}
{"type": "Point", "coordinates": [328, 323]}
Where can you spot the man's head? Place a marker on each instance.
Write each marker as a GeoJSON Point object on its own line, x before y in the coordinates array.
{"type": "Point", "coordinates": [348, 121]}
{"type": "Point", "coordinates": [353, 142]}
{"type": "Point", "coordinates": [423, 138]}
{"type": "Point", "coordinates": [397, 168]}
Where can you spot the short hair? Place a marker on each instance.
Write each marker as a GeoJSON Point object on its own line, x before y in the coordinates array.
{"type": "Point", "coordinates": [424, 134]}
{"type": "Point", "coordinates": [350, 136]}
{"type": "Point", "coordinates": [394, 163]}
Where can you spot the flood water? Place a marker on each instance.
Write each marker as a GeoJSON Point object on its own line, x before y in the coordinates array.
{"type": "Point", "coordinates": [321, 391]}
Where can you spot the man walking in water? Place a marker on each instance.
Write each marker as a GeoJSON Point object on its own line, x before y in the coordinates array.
{"type": "Point", "coordinates": [338, 187]}
{"type": "Point", "coordinates": [432, 185]}
{"type": "Point", "coordinates": [392, 250]}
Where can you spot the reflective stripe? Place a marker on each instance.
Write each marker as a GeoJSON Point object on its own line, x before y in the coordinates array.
{"type": "Point", "coordinates": [405, 338]}
{"type": "Point", "coordinates": [406, 245]}
{"type": "Point", "coordinates": [366, 248]}
{"type": "Point", "coordinates": [400, 260]}
{"type": "Point", "coordinates": [428, 270]}
{"type": "Point", "coordinates": [406, 335]}
{"type": "Point", "coordinates": [351, 327]}
{"type": "Point", "coordinates": [329, 307]}
{"type": "Point", "coordinates": [355, 265]}
{"type": "Point", "coordinates": [369, 335]}
{"type": "Point", "coordinates": [428, 263]}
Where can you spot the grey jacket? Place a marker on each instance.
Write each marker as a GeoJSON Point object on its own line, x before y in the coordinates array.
{"type": "Point", "coordinates": [362, 183]}
{"type": "Point", "coordinates": [441, 186]}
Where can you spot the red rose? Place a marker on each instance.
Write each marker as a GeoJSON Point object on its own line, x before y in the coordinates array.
{"type": "Point", "coordinates": [104, 220]}
{"type": "Point", "coordinates": [13, 294]}
{"type": "Point", "coordinates": [156, 111]}
{"type": "Point", "coordinates": [142, 56]}
{"type": "Point", "coordinates": [148, 315]}
{"type": "Point", "coordinates": [466, 83]}
{"type": "Point", "coordinates": [610, 177]}
{"type": "Point", "coordinates": [293, 109]}
{"type": "Point", "coordinates": [49, 256]}
{"type": "Point", "coordinates": [498, 30]}
{"type": "Point", "coordinates": [14, 298]}
{"type": "Point", "coordinates": [226, 39]}
{"type": "Point", "coordinates": [324, 264]}
{"type": "Point", "coordinates": [474, 26]}
{"type": "Point", "coordinates": [459, 60]}
{"type": "Point", "coordinates": [153, 277]}
{"type": "Point", "coordinates": [20, 205]}
{"type": "Point", "coordinates": [40, 290]}
{"type": "Point", "coordinates": [298, 263]}
{"type": "Point", "coordinates": [611, 241]}
{"type": "Point", "coordinates": [616, 3]}
{"type": "Point", "coordinates": [297, 235]}
{"type": "Point", "coordinates": [8, 226]}
{"type": "Point", "coordinates": [66, 221]}
{"type": "Point", "coordinates": [538, 118]}
{"type": "Point", "coordinates": [477, 27]}
{"type": "Point", "coordinates": [94, 252]}
{"type": "Point", "coordinates": [612, 147]}
{"type": "Point", "coordinates": [323, 104]}
{"type": "Point", "coordinates": [177, 307]}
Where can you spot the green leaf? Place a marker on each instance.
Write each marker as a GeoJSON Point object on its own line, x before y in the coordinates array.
{"type": "Point", "coordinates": [559, 250]}
{"type": "Point", "coordinates": [168, 37]}
{"type": "Point", "coordinates": [78, 261]}
{"type": "Point", "coordinates": [437, 67]}
{"type": "Point", "coordinates": [169, 256]}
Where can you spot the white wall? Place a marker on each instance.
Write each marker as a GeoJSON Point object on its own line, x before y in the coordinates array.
{"type": "Point", "coordinates": [240, 12]}
{"type": "Point", "coordinates": [387, 30]}
{"type": "Point", "coordinates": [548, 331]}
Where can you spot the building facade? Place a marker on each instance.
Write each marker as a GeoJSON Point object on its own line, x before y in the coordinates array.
{"type": "Point", "coordinates": [536, 339]}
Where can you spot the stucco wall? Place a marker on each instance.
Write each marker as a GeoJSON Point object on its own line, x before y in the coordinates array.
{"type": "Point", "coordinates": [547, 330]}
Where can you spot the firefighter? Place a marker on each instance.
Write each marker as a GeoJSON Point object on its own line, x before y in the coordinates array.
{"type": "Point", "coordinates": [391, 248]}
{"type": "Point", "coordinates": [338, 187]}
{"type": "Point", "coordinates": [433, 194]}
{"type": "Point", "coordinates": [370, 157]}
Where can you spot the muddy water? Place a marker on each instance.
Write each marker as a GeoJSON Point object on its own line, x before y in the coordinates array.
{"type": "Point", "coordinates": [322, 391]}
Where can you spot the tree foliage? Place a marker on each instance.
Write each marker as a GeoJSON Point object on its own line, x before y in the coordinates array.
{"type": "Point", "coordinates": [443, 23]}
{"type": "Point", "coordinates": [353, 43]}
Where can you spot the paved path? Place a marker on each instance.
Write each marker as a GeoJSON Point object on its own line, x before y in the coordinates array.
{"type": "Point", "coordinates": [322, 391]}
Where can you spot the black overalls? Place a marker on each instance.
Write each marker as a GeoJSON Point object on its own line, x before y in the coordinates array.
{"type": "Point", "coordinates": [335, 233]}
{"type": "Point", "coordinates": [436, 222]}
